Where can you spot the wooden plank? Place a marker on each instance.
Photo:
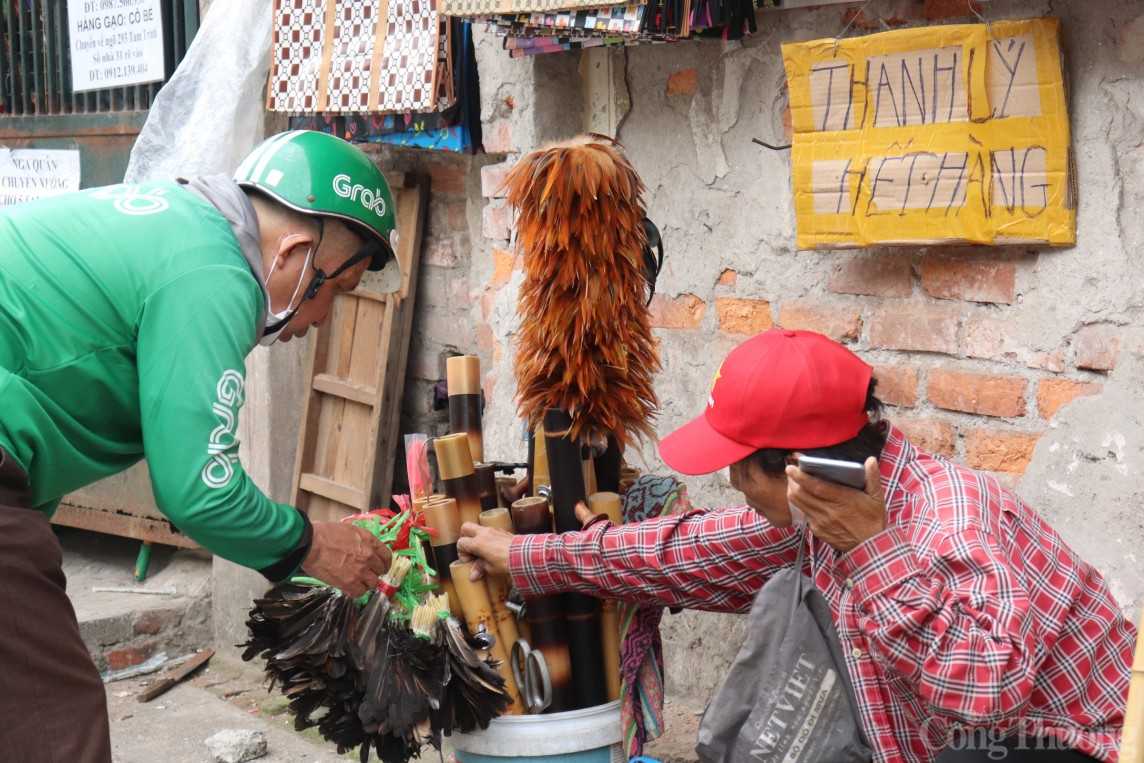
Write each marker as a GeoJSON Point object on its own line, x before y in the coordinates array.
{"type": "Point", "coordinates": [345, 389]}
{"type": "Point", "coordinates": [357, 371]}
{"type": "Point", "coordinates": [337, 491]}
{"type": "Point", "coordinates": [173, 676]}
{"type": "Point", "coordinates": [400, 322]}
{"type": "Point", "coordinates": [118, 523]}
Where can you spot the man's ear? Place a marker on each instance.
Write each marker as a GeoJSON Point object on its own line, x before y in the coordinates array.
{"type": "Point", "coordinates": [298, 244]}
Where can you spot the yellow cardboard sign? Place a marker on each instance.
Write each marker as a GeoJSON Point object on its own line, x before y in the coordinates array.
{"type": "Point", "coordinates": [946, 134]}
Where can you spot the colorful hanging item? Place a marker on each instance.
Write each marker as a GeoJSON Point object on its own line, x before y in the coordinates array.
{"type": "Point", "coordinates": [355, 57]}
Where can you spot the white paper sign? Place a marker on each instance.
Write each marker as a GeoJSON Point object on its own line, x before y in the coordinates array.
{"type": "Point", "coordinates": [27, 174]}
{"type": "Point", "coordinates": [115, 43]}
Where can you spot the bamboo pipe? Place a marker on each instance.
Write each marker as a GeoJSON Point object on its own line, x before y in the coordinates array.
{"type": "Point", "coordinates": [486, 477]}
{"type": "Point", "coordinates": [540, 474]}
{"type": "Point", "coordinates": [502, 483]}
{"type": "Point", "coordinates": [582, 612]}
{"type": "Point", "coordinates": [455, 464]}
{"type": "Point", "coordinates": [628, 475]}
{"type": "Point", "coordinates": [543, 614]}
{"type": "Point", "coordinates": [478, 611]}
{"type": "Point", "coordinates": [441, 516]}
{"type": "Point", "coordinates": [609, 466]}
{"type": "Point", "coordinates": [500, 585]}
{"type": "Point", "coordinates": [609, 505]}
{"type": "Point", "coordinates": [463, 379]}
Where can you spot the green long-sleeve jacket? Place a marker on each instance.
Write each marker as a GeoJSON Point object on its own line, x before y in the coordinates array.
{"type": "Point", "coordinates": [126, 313]}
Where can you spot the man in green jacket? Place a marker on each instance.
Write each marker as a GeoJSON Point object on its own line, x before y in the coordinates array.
{"type": "Point", "coordinates": [126, 313]}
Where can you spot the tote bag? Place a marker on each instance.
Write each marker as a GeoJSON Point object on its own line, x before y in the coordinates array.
{"type": "Point", "coordinates": [788, 695]}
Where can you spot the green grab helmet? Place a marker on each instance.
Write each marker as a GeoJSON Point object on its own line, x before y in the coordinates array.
{"type": "Point", "coordinates": [320, 174]}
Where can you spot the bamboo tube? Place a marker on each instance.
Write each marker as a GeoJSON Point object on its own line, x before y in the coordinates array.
{"type": "Point", "coordinates": [543, 614]}
{"type": "Point", "coordinates": [463, 378]}
{"type": "Point", "coordinates": [588, 466]}
{"type": "Point", "coordinates": [609, 505]}
{"type": "Point", "coordinates": [540, 475]}
{"type": "Point", "coordinates": [500, 585]}
{"type": "Point", "coordinates": [455, 463]}
{"type": "Point", "coordinates": [502, 483]}
{"type": "Point", "coordinates": [478, 611]}
{"type": "Point", "coordinates": [441, 516]}
{"type": "Point", "coordinates": [608, 468]}
{"type": "Point", "coordinates": [486, 477]}
{"type": "Point", "coordinates": [582, 612]}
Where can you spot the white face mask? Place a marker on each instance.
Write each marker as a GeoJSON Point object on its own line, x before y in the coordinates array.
{"type": "Point", "coordinates": [276, 321]}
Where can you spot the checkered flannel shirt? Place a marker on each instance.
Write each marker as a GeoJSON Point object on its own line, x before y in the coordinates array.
{"type": "Point", "coordinates": [968, 620]}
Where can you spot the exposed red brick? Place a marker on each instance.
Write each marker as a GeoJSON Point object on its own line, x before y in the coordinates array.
{"type": "Point", "coordinates": [937, 437]}
{"type": "Point", "coordinates": [1097, 347]}
{"type": "Point", "coordinates": [1053, 393]}
{"type": "Point", "coordinates": [128, 656]}
{"type": "Point", "coordinates": [839, 322]}
{"type": "Point", "coordinates": [788, 123]}
{"type": "Point", "coordinates": [497, 137]}
{"type": "Point", "coordinates": [503, 261]}
{"type": "Point", "coordinates": [728, 278]}
{"type": "Point", "coordinates": [940, 10]}
{"type": "Point", "coordinates": [994, 339]}
{"type": "Point", "coordinates": [998, 451]}
{"type": "Point", "coordinates": [495, 221]}
{"type": "Point", "coordinates": [897, 385]}
{"type": "Point", "coordinates": [458, 215]}
{"type": "Point", "coordinates": [682, 82]}
{"type": "Point", "coordinates": [448, 176]}
{"type": "Point", "coordinates": [1130, 42]}
{"type": "Point", "coordinates": [461, 292]}
{"type": "Point", "coordinates": [489, 385]}
{"type": "Point", "coordinates": [150, 621]}
{"type": "Point", "coordinates": [438, 252]}
{"type": "Point", "coordinates": [876, 274]}
{"type": "Point", "coordinates": [743, 316]}
{"type": "Point", "coordinates": [918, 328]}
{"type": "Point", "coordinates": [492, 179]}
{"type": "Point", "coordinates": [982, 394]}
{"type": "Point", "coordinates": [684, 312]}
{"type": "Point", "coordinates": [950, 277]}
{"type": "Point", "coordinates": [488, 301]}
{"type": "Point", "coordinates": [853, 16]}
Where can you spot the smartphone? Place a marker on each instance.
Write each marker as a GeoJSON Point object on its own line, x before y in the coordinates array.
{"type": "Point", "coordinates": [848, 473]}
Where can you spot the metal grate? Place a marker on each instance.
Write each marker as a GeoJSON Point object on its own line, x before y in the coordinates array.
{"type": "Point", "coordinates": [35, 65]}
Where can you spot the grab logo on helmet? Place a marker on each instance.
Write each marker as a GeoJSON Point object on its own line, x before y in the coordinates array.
{"type": "Point", "coordinates": [372, 200]}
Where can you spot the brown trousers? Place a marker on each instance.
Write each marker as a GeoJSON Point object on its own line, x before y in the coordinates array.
{"type": "Point", "coordinates": [52, 703]}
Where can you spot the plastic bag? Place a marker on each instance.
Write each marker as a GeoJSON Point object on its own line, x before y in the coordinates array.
{"type": "Point", "coordinates": [209, 115]}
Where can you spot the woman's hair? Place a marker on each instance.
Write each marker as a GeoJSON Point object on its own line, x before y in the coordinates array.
{"type": "Point", "coordinates": [869, 441]}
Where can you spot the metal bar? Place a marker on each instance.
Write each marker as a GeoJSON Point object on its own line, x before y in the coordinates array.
{"type": "Point", "coordinates": [50, 98]}
{"type": "Point", "coordinates": [24, 100]}
{"type": "Point", "coordinates": [38, 105]}
{"type": "Point", "coordinates": [64, 40]}
{"type": "Point", "coordinates": [3, 69]}
{"type": "Point", "coordinates": [190, 24]}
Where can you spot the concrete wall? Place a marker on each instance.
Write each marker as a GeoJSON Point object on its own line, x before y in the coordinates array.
{"type": "Point", "coordinates": [1020, 362]}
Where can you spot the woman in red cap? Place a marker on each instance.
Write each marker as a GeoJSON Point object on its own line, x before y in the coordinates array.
{"type": "Point", "coordinates": [970, 630]}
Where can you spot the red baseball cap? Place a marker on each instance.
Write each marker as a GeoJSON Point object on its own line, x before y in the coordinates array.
{"type": "Point", "coordinates": [783, 389]}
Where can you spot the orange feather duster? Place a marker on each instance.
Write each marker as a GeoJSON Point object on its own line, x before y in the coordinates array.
{"type": "Point", "coordinates": [585, 341]}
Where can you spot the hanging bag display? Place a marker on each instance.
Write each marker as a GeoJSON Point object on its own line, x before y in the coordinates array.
{"type": "Point", "coordinates": [788, 695]}
{"type": "Point", "coordinates": [356, 57]}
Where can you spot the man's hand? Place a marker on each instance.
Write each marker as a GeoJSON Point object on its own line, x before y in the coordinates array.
{"type": "Point", "coordinates": [347, 557]}
{"type": "Point", "coordinates": [841, 516]}
{"type": "Point", "coordinates": [486, 547]}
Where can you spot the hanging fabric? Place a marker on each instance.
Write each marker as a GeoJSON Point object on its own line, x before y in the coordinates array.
{"type": "Point", "coordinates": [355, 57]}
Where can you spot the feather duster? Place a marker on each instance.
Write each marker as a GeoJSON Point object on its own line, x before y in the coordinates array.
{"type": "Point", "coordinates": [474, 690]}
{"type": "Point", "coordinates": [585, 340]}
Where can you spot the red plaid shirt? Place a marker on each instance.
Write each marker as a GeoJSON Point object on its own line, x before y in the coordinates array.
{"type": "Point", "coordinates": [968, 620]}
